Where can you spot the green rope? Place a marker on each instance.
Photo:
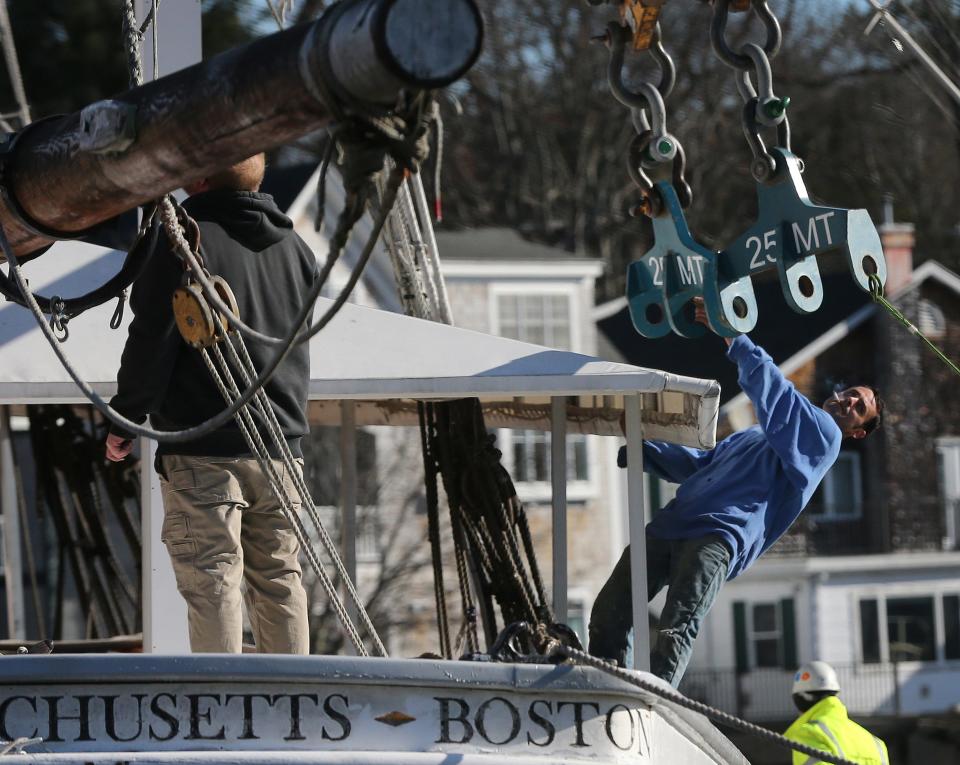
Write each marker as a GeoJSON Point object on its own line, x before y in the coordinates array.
{"type": "Point", "coordinates": [876, 292]}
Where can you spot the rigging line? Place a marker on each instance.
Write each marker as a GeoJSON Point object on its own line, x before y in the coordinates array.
{"type": "Point", "coordinates": [183, 250]}
{"type": "Point", "coordinates": [944, 20]}
{"type": "Point", "coordinates": [262, 402]}
{"type": "Point", "coordinates": [922, 84]}
{"type": "Point", "coordinates": [13, 65]}
{"type": "Point", "coordinates": [252, 434]}
{"type": "Point", "coordinates": [187, 434]}
{"type": "Point", "coordinates": [149, 17]}
{"type": "Point", "coordinates": [903, 34]}
{"type": "Point", "coordinates": [675, 697]}
{"type": "Point", "coordinates": [259, 450]}
{"type": "Point", "coordinates": [944, 108]}
{"type": "Point", "coordinates": [155, 37]}
{"type": "Point", "coordinates": [433, 254]}
{"type": "Point", "coordinates": [947, 59]}
{"type": "Point", "coordinates": [876, 292]}
{"type": "Point", "coordinates": [355, 207]}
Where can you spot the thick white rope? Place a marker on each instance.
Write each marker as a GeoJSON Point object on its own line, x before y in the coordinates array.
{"type": "Point", "coordinates": [13, 66]}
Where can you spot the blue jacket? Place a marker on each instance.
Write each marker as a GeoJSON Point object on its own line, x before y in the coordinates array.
{"type": "Point", "coordinates": [751, 486]}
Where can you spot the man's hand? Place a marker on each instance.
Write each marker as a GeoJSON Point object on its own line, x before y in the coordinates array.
{"type": "Point", "coordinates": [118, 448]}
{"type": "Point", "coordinates": [700, 314]}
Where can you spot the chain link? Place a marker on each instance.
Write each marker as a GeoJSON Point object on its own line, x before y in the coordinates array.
{"type": "Point", "coordinates": [524, 643]}
{"type": "Point", "coordinates": [653, 145]}
{"type": "Point", "coordinates": [718, 33]}
{"type": "Point", "coordinates": [762, 107]}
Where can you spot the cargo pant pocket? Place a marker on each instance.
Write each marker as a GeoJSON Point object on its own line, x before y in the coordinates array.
{"type": "Point", "coordinates": [182, 547]}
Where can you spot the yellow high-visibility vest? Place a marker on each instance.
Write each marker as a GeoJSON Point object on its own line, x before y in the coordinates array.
{"type": "Point", "coordinates": [826, 726]}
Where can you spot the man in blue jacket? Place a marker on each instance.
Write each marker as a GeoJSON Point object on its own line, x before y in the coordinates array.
{"type": "Point", "coordinates": [733, 503]}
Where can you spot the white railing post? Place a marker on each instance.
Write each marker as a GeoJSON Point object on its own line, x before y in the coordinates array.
{"type": "Point", "coordinates": [10, 509]}
{"type": "Point", "coordinates": [558, 478]}
{"type": "Point", "coordinates": [348, 500]}
{"type": "Point", "coordinates": [638, 539]}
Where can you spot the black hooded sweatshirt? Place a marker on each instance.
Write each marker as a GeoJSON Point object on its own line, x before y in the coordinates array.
{"type": "Point", "coordinates": [246, 239]}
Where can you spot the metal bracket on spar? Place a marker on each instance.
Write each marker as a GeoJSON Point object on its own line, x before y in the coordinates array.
{"type": "Point", "coordinates": [789, 233]}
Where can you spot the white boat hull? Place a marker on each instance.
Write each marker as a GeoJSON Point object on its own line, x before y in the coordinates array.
{"type": "Point", "coordinates": [320, 709]}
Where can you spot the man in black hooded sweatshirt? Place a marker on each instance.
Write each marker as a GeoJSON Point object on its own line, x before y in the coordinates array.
{"type": "Point", "coordinates": [222, 524]}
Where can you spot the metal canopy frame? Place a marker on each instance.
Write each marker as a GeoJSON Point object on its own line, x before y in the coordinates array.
{"type": "Point", "coordinates": [372, 367]}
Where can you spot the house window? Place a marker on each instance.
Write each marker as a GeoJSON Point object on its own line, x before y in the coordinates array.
{"type": "Point", "coordinates": [910, 630]}
{"type": "Point", "coordinates": [540, 319]}
{"type": "Point", "coordinates": [948, 459]}
{"type": "Point", "coordinates": [841, 491]}
{"type": "Point", "coordinates": [531, 456]}
{"type": "Point", "coordinates": [544, 315]}
{"type": "Point", "coordinates": [765, 634]}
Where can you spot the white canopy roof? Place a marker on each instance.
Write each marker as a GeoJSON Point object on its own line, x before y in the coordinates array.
{"type": "Point", "coordinates": [365, 354]}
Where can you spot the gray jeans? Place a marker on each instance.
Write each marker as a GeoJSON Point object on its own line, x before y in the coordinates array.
{"type": "Point", "coordinates": [222, 526]}
{"type": "Point", "coordinates": [693, 570]}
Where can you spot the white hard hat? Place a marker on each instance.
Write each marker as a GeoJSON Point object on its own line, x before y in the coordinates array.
{"type": "Point", "coordinates": [815, 676]}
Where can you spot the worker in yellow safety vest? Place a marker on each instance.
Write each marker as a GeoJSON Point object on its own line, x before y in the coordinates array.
{"type": "Point", "coordinates": [824, 723]}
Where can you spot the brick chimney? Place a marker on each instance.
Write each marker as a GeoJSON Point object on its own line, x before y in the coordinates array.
{"type": "Point", "coordinates": [897, 240]}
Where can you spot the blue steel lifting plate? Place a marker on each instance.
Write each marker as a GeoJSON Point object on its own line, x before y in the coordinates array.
{"type": "Point", "coordinates": [661, 284]}
{"type": "Point", "coordinates": [789, 233]}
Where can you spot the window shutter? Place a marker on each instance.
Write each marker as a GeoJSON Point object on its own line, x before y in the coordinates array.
{"type": "Point", "coordinates": [740, 635]}
{"type": "Point", "coordinates": [654, 483]}
{"type": "Point", "coordinates": [789, 634]}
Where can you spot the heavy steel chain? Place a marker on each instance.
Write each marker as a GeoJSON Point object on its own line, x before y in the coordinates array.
{"type": "Point", "coordinates": [552, 646]}
{"type": "Point", "coordinates": [653, 145]}
{"type": "Point", "coordinates": [582, 658]}
{"type": "Point", "coordinates": [762, 108]}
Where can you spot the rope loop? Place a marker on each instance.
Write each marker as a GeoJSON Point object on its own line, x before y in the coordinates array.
{"type": "Point", "coordinates": [117, 317]}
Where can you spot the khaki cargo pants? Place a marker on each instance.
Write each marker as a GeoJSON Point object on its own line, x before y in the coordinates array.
{"type": "Point", "coordinates": [223, 525]}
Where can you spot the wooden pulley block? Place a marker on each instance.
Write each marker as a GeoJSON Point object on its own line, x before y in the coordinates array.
{"type": "Point", "coordinates": [193, 316]}
{"type": "Point", "coordinates": [226, 295]}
